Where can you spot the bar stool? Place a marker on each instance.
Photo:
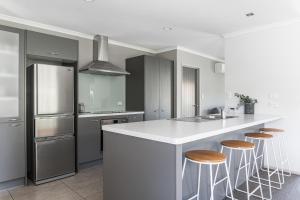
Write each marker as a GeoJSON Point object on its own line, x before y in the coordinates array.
{"type": "Point", "coordinates": [263, 141]}
{"type": "Point", "coordinates": [244, 146]}
{"type": "Point", "coordinates": [281, 141]}
{"type": "Point", "coordinates": [210, 158]}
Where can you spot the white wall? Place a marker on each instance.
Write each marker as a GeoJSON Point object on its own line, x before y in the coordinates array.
{"type": "Point", "coordinates": [266, 65]}
{"type": "Point", "coordinates": [212, 85]}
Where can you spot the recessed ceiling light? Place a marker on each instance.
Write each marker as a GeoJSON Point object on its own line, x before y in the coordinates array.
{"type": "Point", "coordinates": [167, 28]}
{"type": "Point", "coordinates": [89, 0]}
{"type": "Point", "coordinates": [250, 14]}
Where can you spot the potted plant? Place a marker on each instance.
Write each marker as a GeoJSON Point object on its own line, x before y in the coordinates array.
{"type": "Point", "coordinates": [247, 102]}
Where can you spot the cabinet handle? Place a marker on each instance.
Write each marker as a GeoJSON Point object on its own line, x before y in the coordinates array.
{"type": "Point", "coordinates": [54, 53]}
{"type": "Point", "coordinates": [15, 125]}
{"type": "Point", "coordinates": [94, 120]}
{"type": "Point", "coordinates": [12, 120]}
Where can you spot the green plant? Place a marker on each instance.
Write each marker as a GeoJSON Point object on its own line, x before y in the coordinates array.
{"type": "Point", "coordinates": [245, 99]}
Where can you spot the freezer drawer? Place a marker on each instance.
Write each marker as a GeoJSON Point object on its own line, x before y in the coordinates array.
{"type": "Point", "coordinates": [54, 157]}
{"type": "Point", "coordinates": [54, 89]}
{"type": "Point", "coordinates": [54, 126]}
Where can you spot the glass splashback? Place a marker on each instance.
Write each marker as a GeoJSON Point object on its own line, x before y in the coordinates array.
{"type": "Point", "coordinates": [9, 74]}
{"type": "Point", "coordinates": [102, 93]}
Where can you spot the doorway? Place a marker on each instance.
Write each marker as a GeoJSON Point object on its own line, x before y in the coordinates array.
{"type": "Point", "coordinates": [190, 92]}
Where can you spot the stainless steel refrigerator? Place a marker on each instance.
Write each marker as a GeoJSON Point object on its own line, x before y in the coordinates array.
{"type": "Point", "coordinates": [50, 122]}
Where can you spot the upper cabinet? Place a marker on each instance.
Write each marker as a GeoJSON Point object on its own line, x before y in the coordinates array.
{"type": "Point", "coordinates": [40, 45]}
{"type": "Point", "coordinates": [11, 74]}
{"type": "Point", "coordinates": [149, 86]}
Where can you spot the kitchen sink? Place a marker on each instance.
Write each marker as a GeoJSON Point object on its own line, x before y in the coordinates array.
{"type": "Point", "coordinates": [216, 117]}
{"type": "Point", "coordinates": [203, 118]}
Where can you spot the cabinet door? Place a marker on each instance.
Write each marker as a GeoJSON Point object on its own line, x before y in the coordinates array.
{"type": "Point", "coordinates": [11, 74]}
{"type": "Point", "coordinates": [49, 46]}
{"type": "Point", "coordinates": [166, 88]}
{"type": "Point", "coordinates": [151, 88]}
{"type": "Point", "coordinates": [89, 140]}
{"type": "Point", "coordinates": [12, 151]}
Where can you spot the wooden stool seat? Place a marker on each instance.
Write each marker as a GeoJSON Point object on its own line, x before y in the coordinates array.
{"type": "Point", "coordinates": [271, 130]}
{"type": "Point", "coordinates": [238, 144]}
{"type": "Point", "coordinates": [206, 156]}
{"type": "Point", "coordinates": [259, 135]}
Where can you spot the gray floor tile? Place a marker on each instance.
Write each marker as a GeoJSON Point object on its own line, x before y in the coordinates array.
{"type": "Point", "coordinates": [88, 185]}
{"type": "Point", "coordinates": [4, 195]}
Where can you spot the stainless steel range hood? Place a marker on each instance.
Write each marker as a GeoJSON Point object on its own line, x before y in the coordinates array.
{"type": "Point", "coordinates": [101, 65]}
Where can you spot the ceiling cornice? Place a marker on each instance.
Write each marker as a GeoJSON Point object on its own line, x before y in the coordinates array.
{"type": "Point", "coordinates": [29, 24]}
{"type": "Point", "coordinates": [261, 28]}
{"type": "Point", "coordinates": [204, 55]}
{"type": "Point", "coordinates": [24, 23]}
{"type": "Point", "coordinates": [131, 46]}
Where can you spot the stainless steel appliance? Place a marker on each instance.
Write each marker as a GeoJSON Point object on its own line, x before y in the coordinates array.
{"type": "Point", "coordinates": [207, 118]}
{"type": "Point", "coordinates": [108, 122]}
{"type": "Point", "coordinates": [50, 117]}
{"type": "Point", "coordinates": [101, 65]}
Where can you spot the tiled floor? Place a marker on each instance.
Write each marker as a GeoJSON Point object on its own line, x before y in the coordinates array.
{"type": "Point", "coordinates": [86, 185]}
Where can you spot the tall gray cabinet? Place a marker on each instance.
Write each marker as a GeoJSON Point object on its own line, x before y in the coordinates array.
{"type": "Point", "coordinates": [12, 130]}
{"type": "Point", "coordinates": [149, 86]}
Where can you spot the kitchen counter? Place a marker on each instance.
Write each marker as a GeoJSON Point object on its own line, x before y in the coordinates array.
{"type": "Point", "coordinates": [83, 115]}
{"type": "Point", "coordinates": [180, 132]}
{"type": "Point", "coordinates": [143, 160]}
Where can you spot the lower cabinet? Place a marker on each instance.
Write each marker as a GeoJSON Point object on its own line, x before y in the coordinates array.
{"type": "Point", "coordinates": [89, 139]}
{"type": "Point", "coordinates": [135, 118]}
{"type": "Point", "coordinates": [89, 136]}
{"type": "Point", "coordinates": [12, 151]}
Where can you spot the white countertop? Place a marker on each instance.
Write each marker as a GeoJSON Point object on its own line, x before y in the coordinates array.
{"type": "Point", "coordinates": [180, 132]}
{"type": "Point", "coordinates": [109, 114]}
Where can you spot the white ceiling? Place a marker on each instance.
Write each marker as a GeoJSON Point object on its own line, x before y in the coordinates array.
{"type": "Point", "coordinates": [197, 24]}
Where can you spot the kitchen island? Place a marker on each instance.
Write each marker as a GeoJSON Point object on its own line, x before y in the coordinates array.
{"type": "Point", "coordinates": [143, 160]}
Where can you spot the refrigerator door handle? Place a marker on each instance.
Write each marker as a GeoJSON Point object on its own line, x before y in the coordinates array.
{"type": "Point", "coordinates": [15, 125]}
{"type": "Point", "coordinates": [70, 115]}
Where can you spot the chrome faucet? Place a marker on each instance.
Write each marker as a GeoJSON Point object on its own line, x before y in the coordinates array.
{"type": "Point", "coordinates": [223, 113]}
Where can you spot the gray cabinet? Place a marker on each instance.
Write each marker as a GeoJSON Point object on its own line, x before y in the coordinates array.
{"type": "Point", "coordinates": [89, 135]}
{"type": "Point", "coordinates": [88, 139]}
{"type": "Point", "coordinates": [11, 74]}
{"type": "Point", "coordinates": [149, 87]}
{"type": "Point", "coordinates": [152, 88]}
{"type": "Point", "coordinates": [165, 89]}
{"type": "Point", "coordinates": [40, 45]}
{"type": "Point", "coordinates": [12, 133]}
{"type": "Point", "coordinates": [135, 118]}
{"type": "Point", "coordinates": [12, 151]}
